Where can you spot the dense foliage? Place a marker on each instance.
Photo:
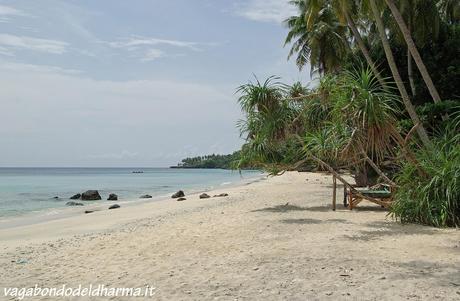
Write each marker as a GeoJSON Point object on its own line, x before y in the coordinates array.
{"type": "Point", "coordinates": [384, 104]}
{"type": "Point", "coordinates": [210, 161]}
{"type": "Point", "coordinates": [432, 199]}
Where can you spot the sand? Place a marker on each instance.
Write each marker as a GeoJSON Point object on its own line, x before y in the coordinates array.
{"type": "Point", "coordinates": [276, 239]}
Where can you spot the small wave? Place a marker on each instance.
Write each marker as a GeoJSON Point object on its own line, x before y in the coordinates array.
{"type": "Point", "coordinates": [225, 183]}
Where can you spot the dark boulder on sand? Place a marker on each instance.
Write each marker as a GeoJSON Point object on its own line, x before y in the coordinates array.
{"type": "Point", "coordinates": [72, 203]}
{"type": "Point", "coordinates": [76, 196]}
{"type": "Point", "coordinates": [220, 195]}
{"type": "Point", "coordinates": [146, 196]}
{"type": "Point", "coordinates": [112, 197]}
{"type": "Point", "coordinates": [181, 199]}
{"type": "Point", "coordinates": [115, 206]}
{"type": "Point", "coordinates": [179, 194]}
{"type": "Point", "coordinates": [204, 196]}
{"type": "Point", "coordinates": [89, 211]}
{"type": "Point", "coordinates": [91, 195]}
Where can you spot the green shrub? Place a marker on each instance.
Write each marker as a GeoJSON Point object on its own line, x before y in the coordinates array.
{"type": "Point", "coordinates": [433, 200]}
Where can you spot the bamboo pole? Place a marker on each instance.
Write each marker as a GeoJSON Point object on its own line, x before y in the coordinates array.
{"type": "Point", "coordinates": [334, 192]}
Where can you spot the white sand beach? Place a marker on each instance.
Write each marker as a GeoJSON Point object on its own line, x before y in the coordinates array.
{"type": "Point", "coordinates": [275, 239]}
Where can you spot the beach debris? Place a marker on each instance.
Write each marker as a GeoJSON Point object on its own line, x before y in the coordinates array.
{"type": "Point", "coordinates": [115, 206]}
{"type": "Point", "coordinates": [21, 261]}
{"type": "Point", "coordinates": [204, 196]}
{"type": "Point", "coordinates": [89, 211]}
{"type": "Point", "coordinates": [146, 196]}
{"type": "Point", "coordinates": [178, 194]}
{"type": "Point", "coordinates": [220, 195]}
{"type": "Point", "coordinates": [76, 196]}
{"type": "Point", "coordinates": [255, 268]}
{"type": "Point", "coordinates": [181, 199]}
{"type": "Point", "coordinates": [72, 203]}
{"type": "Point", "coordinates": [112, 197]}
{"type": "Point", "coordinates": [56, 197]}
{"type": "Point", "coordinates": [91, 195]}
{"type": "Point", "coordinates": [329, 293]}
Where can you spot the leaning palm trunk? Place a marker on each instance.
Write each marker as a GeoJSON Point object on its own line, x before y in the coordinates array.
{"type": "Point", "coordinates": [410, 73]}
{"type": "Point", "coordinates": [397, 77]}
{"type": "Point", "coordinates": [363, 48]}
{"type": "Point", "coordinates": [413, 50]}
{"type": "Point", "coordinates": [410, 69]}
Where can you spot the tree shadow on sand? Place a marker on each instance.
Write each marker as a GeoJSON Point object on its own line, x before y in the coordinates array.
{"type": "Point", "coordinates": [325, 208]}
{"type": "Point", "coordinates": [281, 208]}
{"type": "Point", "coordinates": [390, 228]}
{"type": "Point", "coordinates": [306, 221]}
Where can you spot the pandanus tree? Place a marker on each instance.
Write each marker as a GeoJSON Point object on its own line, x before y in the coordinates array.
{"type": "Point", "coordinates": [361, 130]}
{"type": "Point", "coordinates": [267, 118]}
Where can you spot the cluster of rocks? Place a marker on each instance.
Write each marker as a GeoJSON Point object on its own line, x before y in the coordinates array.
{"type": "Point", "coordinates": [180, 196]}
{"type": "Point", "coordinates": [89, 195]}
{"type": "Point", "coordinates": [93, 195]}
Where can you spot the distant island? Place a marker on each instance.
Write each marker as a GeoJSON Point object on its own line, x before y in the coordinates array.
{"type": "Point", "coordinates": [210, 161]}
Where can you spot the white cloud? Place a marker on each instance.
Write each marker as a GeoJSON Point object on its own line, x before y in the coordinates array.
{"type": "Point", "coordinates": [141, 47]}
{"type": "Point", "coordinates": [10, 11]}
{"type": "Point", "coordinates": [153, 54]}
{"type": "Point", "coordinates": [37, 68]}
{"type": "Point", "coordinates": [6, 12]}
{"type": "Point", "coordinates": [9, 41]}
{"type": "Point", "coordinates": [136, 42]}
{"type": "Point", "coordinates": [265, 10]}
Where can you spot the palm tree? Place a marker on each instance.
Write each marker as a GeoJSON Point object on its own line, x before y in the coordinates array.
{"type": "Point", "coordinates": [397, 77]}
{"type": "Point", "coordinates": [344, 10]}
{"type": "Point", "coordinates": [413, 50]}
{"type": "Point", "coordinates": [450, 10]}
{"type": "Point", "coordinates": [423, 21]}
{"type": "Point", "coordinates": [316, 36]}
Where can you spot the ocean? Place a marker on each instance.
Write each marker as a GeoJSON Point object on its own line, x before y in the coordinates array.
{"type": "Point", "coordinates": [29, 190]}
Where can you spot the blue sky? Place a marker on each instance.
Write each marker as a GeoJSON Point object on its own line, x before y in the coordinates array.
{"type": "Point", "coordinates": [131, 83]}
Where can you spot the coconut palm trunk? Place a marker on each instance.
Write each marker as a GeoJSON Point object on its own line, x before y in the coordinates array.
{"type": "Point", "coordinates": [397, 77]}
{"type": "Point", "coordinates": [362, 47]}
{"type": "Point", "coordinates": [410, 68]}
{"type": "Point", "coordinates": [413, 50]}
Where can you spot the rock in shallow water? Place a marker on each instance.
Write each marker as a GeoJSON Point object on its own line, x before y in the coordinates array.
{"type": "Point", "coordinates": [204, 196]}
{"type": "Point", "coordinates": [115, 206]}
{"type": "Point", "coordinates": [146, 196]}
{"type": "Point", "coordinates": [71, 203]}
{"type": "Point", "coordinates": [112, 197]}
{"type": "Point", "coordinates": [75, 196]}
{"type": "Point", "coordinates": [91, 195]}
{"type": "Point", "coordinates": [178, 194]}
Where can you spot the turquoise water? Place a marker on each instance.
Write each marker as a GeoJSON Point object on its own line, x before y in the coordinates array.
{"type": "Point", "coordinates": [25, 190]}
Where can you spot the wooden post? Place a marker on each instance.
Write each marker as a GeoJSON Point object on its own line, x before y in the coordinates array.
{"type": "Point", "coordinates": [334, 193]}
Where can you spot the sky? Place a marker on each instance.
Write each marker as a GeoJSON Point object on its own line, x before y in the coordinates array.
{"type": "Point", "coordinates": [131, 83]}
